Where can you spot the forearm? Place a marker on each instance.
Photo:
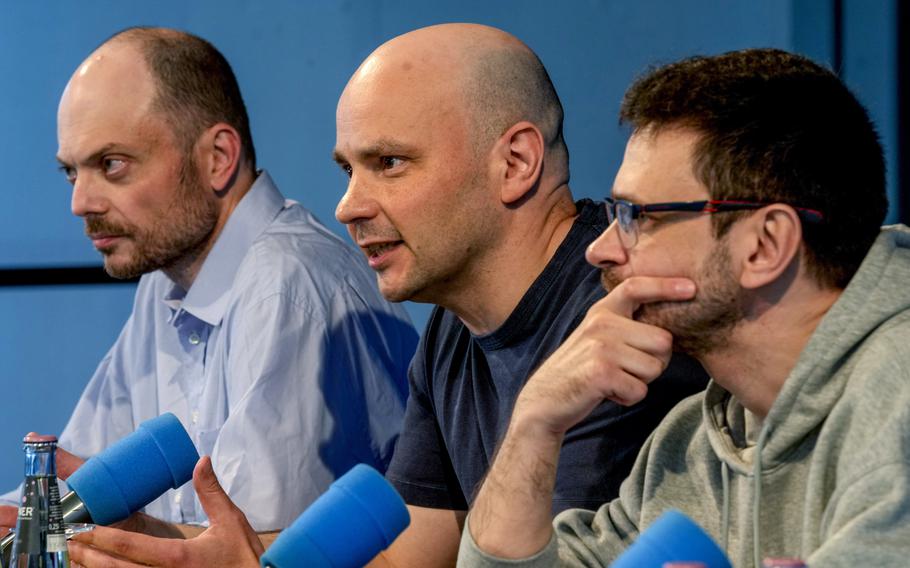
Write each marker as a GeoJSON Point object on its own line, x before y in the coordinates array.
{"type": "Point", "coordinates": [511, 517]}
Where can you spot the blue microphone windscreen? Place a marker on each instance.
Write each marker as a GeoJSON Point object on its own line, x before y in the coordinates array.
{"type": "Point", "coordinates": [136, 470]}
{"type": "Point", "coordinates": [672, 537]}
{"type": "Point", "coordinates": [359, 516]}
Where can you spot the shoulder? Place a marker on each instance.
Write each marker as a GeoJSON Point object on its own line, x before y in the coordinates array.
{"type": "Point", "coordinates": [300, 260]}
{"type": "Point", "coordinates": [870, 423]}
{"type": "Point", "coordinates": [880, 366]}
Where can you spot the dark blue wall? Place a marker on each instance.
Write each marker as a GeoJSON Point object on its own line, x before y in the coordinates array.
{"type": "Point", "coordinates": [292, 59]}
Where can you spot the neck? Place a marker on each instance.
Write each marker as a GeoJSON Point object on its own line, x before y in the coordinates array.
{"type": "Point", "coordinates": [497, 285]}
{"type": "Point", "coordinates": [765, 346]}
{"type": "Point", "coordinates": [184, 271]}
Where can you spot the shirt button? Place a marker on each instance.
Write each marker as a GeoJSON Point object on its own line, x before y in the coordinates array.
{"type": "Point", "coordinates": [177, 498]}
{"type": "Point", "coordinates": [195, 416]}
{"type": "Point", "coordinates": [194, 338]}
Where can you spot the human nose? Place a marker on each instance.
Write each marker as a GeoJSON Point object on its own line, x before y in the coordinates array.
{"type": "Point", "coordinates": [86, 198]}
{"type": "Point", "coordinates": [355, 204]}
{"type": "Point", "coordinates": [607, 249]}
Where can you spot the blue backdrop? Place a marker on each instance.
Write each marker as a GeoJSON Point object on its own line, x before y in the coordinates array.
{"type": "Point", "coordinates": [292, 59]}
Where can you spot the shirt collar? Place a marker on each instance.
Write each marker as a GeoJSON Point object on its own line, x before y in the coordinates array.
{"type": "Point", "coordinates": [208, 296]}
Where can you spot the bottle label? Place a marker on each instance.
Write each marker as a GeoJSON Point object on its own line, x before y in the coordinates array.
{"type": "Point", "coordinates": [28, 524]}
{"type": "Point", "coordinates": [56, 543]}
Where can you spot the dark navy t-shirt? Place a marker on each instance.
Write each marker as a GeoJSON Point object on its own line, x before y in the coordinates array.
{"type": "Point", "coordinates": [463, 388]}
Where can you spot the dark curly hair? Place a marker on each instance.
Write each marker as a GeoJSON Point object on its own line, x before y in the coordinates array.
{"type": "Point", "coordinates": [775, 127]}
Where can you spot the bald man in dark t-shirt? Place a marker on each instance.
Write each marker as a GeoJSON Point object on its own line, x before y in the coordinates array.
{"type": "Point", "coordinates": [459, 196]}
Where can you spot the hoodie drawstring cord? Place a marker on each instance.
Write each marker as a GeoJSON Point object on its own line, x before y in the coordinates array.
{"type": "Point", "coordinates": [725, 515]}
{"type": "Point", "coordinates": [756, 500]}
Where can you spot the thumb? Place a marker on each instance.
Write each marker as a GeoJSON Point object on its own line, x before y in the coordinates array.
{"type": "Point", "coordinates": [215, 502]}
{"type": "Point", "coordinates": [219, 507]}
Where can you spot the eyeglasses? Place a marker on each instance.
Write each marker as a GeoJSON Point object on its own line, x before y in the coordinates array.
{"type": "Point", "coordinates": [628, 213]}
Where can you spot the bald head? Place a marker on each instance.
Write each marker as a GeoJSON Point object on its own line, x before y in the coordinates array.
{"type": "Point", "coordinates": [195, 87]}
{"type": "Point", "coordinates": [487, 75]}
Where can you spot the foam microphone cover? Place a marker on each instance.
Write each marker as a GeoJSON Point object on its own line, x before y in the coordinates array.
{"type": "Point", "coordinates": [359, 516]}
{"type": "Point", "coordinates": [672, 537]}
{"type": "Point", "coordinates": [136, 470]}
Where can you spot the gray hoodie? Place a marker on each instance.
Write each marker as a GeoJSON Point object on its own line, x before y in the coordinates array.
{"type": "Point", "coordinates": [825, 478]}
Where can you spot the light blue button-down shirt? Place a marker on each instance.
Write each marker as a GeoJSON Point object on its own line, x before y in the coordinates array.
{"type": "Point", "coordinates": [283, 362]}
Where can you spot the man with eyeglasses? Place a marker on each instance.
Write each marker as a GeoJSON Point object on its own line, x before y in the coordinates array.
{"type": "Point", "coordinates": [745, 231]}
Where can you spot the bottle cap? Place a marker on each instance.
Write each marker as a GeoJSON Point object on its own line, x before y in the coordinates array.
{"type": "Point", "coordinates": [32, 438]}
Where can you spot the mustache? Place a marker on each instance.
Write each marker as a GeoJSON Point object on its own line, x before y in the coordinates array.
{"type": "Point", "coordinates": [608, 280]}
{"type": "Point", "coordinates": [365, 230]}
{"type": "Point", "coordinates": [95, 225]}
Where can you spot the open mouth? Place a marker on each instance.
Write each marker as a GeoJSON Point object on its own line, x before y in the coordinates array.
{"type": "Point", "coordinates": [379, 249]}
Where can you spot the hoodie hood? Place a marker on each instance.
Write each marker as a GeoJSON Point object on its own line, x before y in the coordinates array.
{"type": "Point", "coordinates": [878, 291]}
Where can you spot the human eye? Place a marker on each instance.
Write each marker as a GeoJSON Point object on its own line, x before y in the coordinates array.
{"type": "Point", "coordinates": [391, 162]}
{"type": "Point", "coordinates": [347, 169]}
{"type": "Point", "coordinates": [113, 166]}
{"type": "Point", "coordinates": [69, 173]}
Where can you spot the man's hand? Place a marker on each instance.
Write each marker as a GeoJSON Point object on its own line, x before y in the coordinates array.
{"type": "Point", "coordinates": [67, 463]}
{"type": "Point", "coordinates": [8, 514]}
{"type": "Point", "coordinates": [229, 540]}
{"type": "Point", "coordinates": [610, 356]}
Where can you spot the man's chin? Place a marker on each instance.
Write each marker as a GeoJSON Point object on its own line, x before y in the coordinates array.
{"type": "Point", "coordinates": [661, 314]}
{"type": "Point", "coordinates": [124, 270]}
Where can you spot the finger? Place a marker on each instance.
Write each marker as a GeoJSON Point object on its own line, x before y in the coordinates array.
{"type": "Point", "coordinates": [8, 515]}
{"type": "Point", "coordinates": [623, 389]}
{"type": "Point", "coordinates": [642, 365]}
{"type": "Point", "coordinates": [215, 502]}
{"type": "Point", "coordinates": [626, 298]}
{"type": "Point", "coordinates": [219, 507]}
{"type": "Point", "coordinates": [83, 555]}
{"type": "Point", "coordinates": [613, 331]}
{"type": "Point", "coordinates": [128, 546]}
{"type": "Point", "coordinates": [67, 463]}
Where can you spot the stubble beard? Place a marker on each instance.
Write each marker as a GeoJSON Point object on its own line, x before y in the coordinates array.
{"type": "Point", "coordinates": [434, 274]}
{"type": "Point", "coordinates": [704, 324]}
{"type": "Point", "coordinates": [176, 237]}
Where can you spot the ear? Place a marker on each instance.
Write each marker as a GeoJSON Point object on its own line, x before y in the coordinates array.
{"type": "Point", "coordinates": [520, 150]}
{"type": "Point", "coordinates": [220, 149]}
{"type": "Point", "coordinates": [770, 239]}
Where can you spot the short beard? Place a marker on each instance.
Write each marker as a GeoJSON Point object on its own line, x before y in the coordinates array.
{"type": "Point", "coordinates": [175, 237]}
{"type": "Point", "coordinates": [704, 324]}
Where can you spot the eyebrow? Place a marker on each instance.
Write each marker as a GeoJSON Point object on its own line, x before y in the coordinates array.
{"type": "Point", "coordinates": [93, 158]}
{"type": "Point", "coordinates": [382, 147]}
{"type": "Point", "coordinates": [619, 195]}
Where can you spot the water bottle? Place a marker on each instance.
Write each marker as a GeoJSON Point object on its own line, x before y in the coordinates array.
{"type": "Point", "coordinates": [40, 540]}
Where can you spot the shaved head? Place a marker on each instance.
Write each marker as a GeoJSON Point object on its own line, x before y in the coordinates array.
{"type": "Point", "coordinates": [452, 138]}
{"type": "Point", "coordinates": [496, 78]}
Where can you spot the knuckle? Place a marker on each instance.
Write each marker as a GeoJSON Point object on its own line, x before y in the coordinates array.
{"type": "Point", "coordinates": [632, 287]}
{"type": "Point", "coordinates": [178, 555]}
{"type": "Point", "coordinates": [120, 547]}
